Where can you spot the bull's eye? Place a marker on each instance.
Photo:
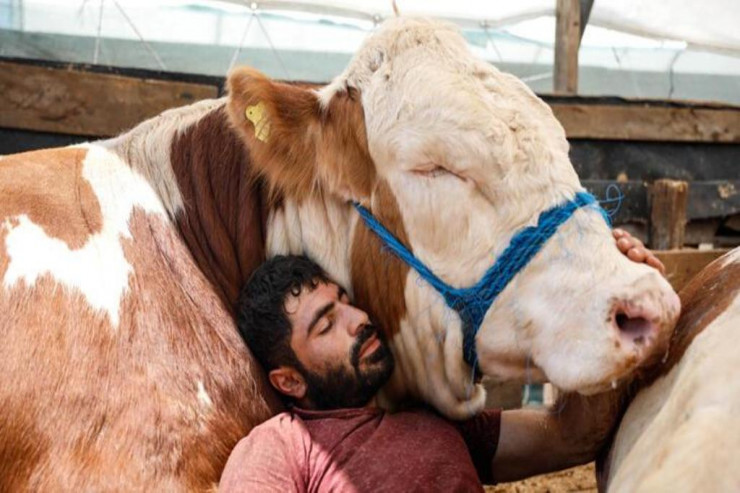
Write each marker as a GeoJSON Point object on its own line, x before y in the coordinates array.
{"type": "Point", "coordinates": [434, 172]}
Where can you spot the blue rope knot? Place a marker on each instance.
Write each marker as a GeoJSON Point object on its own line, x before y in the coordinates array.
{"type": "Point", "coordinates": [473, 303]}
{"type": "Point", "coordinates": [614, 196]}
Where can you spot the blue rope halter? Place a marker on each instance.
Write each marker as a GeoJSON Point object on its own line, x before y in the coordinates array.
{"type": "Point", "coordinates": [473, 303]}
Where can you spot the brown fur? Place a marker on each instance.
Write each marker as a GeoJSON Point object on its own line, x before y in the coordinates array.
{"type": "Point", "coordinates": [44, 184]}
{"type": "Point", "coordinates": [309, 148]}
{"type": "Point", "coordinates": [222, 222]}
{"type": "Point", "coordinates": [378, 276]}
{"type": "Point", "coordinates": [703, 299]}
{"type": "Point", "coordinates": [85, 406]}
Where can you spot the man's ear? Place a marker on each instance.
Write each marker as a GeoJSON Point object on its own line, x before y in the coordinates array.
{"type": "Point", "coordinates": [288, 381]}
{"type": "Point", "coordinates": [299, 144]}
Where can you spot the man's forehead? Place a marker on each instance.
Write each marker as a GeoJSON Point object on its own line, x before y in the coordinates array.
{"type": "Point", "coordinates": [309, 296]}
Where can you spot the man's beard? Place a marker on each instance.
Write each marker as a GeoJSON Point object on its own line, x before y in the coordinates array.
{"type": "Point", "coordinates": [343, 387]}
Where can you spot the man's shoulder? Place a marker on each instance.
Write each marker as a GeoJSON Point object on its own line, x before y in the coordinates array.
{"type": "Point", "coordinates": [280, 425]}
{"type": "Point", "coordinates": [283, 434]}
{"type": "Point", "coordinates": [269, 458]}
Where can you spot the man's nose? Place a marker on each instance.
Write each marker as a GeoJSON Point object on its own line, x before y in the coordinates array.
{"type": "Point", "coordinates": [358, 319]}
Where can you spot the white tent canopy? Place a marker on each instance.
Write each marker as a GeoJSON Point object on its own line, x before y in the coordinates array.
{"type": "Point", "coordinates": [705, 24]}
{"type": "Point", "coordinates": [675, 49]}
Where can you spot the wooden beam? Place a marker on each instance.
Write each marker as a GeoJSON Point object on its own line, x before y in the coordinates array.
{"type": "Point", "coordinates": [77, 101]}
{"type": "Point", "coordinates": [682, 265]}
{"type": "Point", "coordinates": [668, 199]}
{"type": "Point", "coordinates": [653, 123]}
{"type": "Point", "coordinates": [86, 103]}
{"type": "Point", "coordinates": [567, 42]}
{"type": "Point", "coordinates": [706, 199]}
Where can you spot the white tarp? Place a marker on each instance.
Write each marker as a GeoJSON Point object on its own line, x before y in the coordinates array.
{"type": "Point", "coordinates": [633, 48]}
{"type": "Point", "coordinates": [706, 24]}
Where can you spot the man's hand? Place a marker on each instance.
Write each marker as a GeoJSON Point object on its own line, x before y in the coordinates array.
{"type": "Point", "coordinates": [635, 250]}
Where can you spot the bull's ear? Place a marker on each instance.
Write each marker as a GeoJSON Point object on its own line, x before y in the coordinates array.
{"type": "Point", "coordinates": [299, 144]}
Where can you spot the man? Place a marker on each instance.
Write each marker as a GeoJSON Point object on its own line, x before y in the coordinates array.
{"type": "Point", "coordinates": [328, 361]}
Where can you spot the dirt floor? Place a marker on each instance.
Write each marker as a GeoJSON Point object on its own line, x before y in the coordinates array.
{"type": "Point", "coordinates": [581, 479]}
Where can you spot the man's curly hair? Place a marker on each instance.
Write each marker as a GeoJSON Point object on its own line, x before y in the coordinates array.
{"type": "Point", "coordinates": [261, 317]}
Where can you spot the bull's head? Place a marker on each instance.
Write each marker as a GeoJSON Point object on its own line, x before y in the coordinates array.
{"type": "Point", "coordinates": [454, 158]}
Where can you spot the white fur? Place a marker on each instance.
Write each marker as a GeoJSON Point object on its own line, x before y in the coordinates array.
{"type": "Point", "coordinates": [683, 432]}
{"type": "Point", "coordinates": [731, 257]}
{"type": "Point", "coordinates": [99, 270]}
{"type": "Point", "coordinates": [203, 398]}
{"type": "Point", "coordinates": [428, 355]}
{"type": "Point", "coordinates": [308, 228]}
{"type": "Point", "coordinates": [146, 148]}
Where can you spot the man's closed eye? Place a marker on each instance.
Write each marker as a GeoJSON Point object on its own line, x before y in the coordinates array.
{"type": "Point", "coordinates": [327, 327]}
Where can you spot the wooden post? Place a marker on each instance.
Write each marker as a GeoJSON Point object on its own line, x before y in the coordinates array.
{"type": "Point", "coordinates": [567, 42]}
{"type": "Point", "coordinates": [682, 265]}
{"type": "Point", "coordinates": [668, 200]}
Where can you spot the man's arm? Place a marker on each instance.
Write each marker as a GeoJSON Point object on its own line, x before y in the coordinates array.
{"type": "Point", "coordinates": [538, 441]}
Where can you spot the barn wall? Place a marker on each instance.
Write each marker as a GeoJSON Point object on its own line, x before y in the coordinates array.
{"type": "Point", "coordinates": [613, 141]}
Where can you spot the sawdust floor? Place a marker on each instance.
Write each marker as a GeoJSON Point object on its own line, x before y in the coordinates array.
{"type": "Point", "coordinates": [581, 479]}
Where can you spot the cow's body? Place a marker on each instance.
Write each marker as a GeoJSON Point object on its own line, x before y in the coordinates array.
{"type": "Point", "coordinates": [122, 368]}
{"type": "Point", "coordinates": [121, 260]}
{"type": "Point", "coordinates": [682, 430]}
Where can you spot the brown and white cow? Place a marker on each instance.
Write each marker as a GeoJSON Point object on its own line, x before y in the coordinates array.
{"type": "Point", "coordinates": [120, 260]}
{"type": "Point", "coordinates": [681, 432]}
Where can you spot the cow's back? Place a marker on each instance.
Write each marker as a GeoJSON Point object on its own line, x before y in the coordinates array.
{"type": "Point", "coordinates": [121, 368]}
{"type": "Point", "coordinates": [682, 430]}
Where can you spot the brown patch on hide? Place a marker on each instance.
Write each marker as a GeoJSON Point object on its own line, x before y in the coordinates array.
{"type": "Point", "coordinates": [86, 406]}
{"type": "Point", "coordinates": [703, 299]}
{"type": "Point", "coordinates": [308, 147]}
{"type": "Point", "coordinates": [49, 188]}
{"type": "Point", "coordinates": [21, 442]}
{"type": "Point", "coordinates": [222, 221]}
{"type": "Point", "coordinates": [378, 276]}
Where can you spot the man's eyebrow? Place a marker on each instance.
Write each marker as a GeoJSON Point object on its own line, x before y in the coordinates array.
{"type": "Point", "coordinates": [318, 315]}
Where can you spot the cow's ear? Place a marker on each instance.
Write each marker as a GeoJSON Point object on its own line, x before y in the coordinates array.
{"type": "Point", "coordinates": [299, 144]}
{"type": "Point", "coordinates": [277, 123]}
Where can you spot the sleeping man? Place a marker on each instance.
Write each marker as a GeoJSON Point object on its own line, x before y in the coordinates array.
{"type": "Point", "coordinates": [328, 361]}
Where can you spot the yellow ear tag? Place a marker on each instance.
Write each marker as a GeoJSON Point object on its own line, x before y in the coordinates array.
{"type": "Point", "coordinates": [257, 114]}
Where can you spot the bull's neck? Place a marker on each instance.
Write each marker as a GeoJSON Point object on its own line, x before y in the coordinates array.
{"type": "Point", "coordinates": [319, 227]}
{"type": "Point", "coordinates": [199, 168]}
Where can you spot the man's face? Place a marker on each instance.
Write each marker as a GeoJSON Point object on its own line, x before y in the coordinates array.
{"type": "Point", "coordinates": [344, 358]}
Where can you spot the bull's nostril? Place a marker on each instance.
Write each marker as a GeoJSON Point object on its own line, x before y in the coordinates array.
{"type": "Point", "coordinates": [636, 328]}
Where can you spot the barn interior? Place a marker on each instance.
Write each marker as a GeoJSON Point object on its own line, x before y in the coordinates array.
{"type": "Point", "coordinates": [648, 92]}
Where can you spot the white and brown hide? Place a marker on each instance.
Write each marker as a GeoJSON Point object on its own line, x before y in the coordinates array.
{"type": "Point", "coordinates": [681, 432]}
{"type": "Point", "coordinates": [122, 368]}
{"type": "Point", "coordinates": [120, 260]}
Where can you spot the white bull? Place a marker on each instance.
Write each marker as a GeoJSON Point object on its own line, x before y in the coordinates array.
{"type": "Point", "coordinates": [681, 432]}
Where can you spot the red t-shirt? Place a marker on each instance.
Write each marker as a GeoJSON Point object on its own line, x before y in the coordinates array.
{"type": "Point", "coordinates": [364, 449]}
